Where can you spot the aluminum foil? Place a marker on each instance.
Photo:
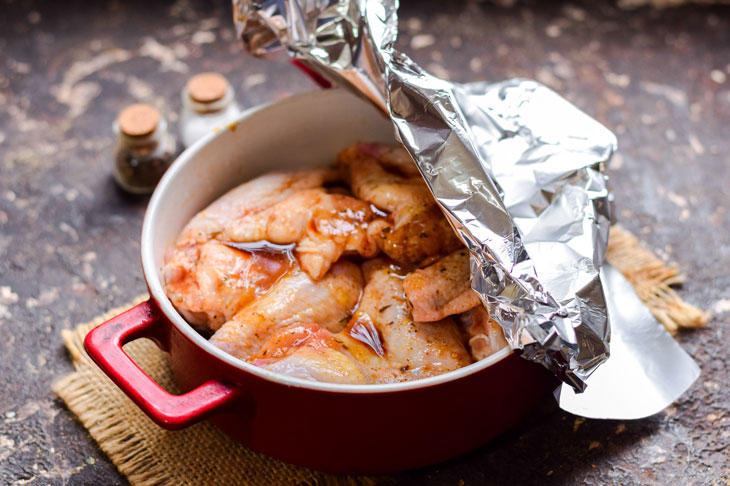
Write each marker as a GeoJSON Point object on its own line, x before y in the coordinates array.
{"type": "Point", "coordinates": [517, 169]}
{"type": "Point", "coordinates": [647, 369]}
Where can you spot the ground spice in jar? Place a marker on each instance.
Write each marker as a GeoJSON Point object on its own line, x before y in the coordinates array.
{"type": "Point", "coordinates": [144, 148]}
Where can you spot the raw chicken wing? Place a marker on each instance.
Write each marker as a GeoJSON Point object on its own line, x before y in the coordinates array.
{"type": "Point", "coordinates": [209, 283]}
{"type": "Point", "coordinates": [392, 157]}
{"type": "Point", "coordinates": [441, 289]}
{"type": "Point", "coordinates": [328, 302]}
{"type": "Point", "coordinates": [324, 226]}
{"type": "Point", "coordinates": [309, 352]}
{"type": "Point", "coordinates": [381, 344]}
{"type": "Point", "coordinates": [249, 199]}
{"type": "Point", "coordinates": [415, 228]}
{"type": "Point", "coordinates": [414, 349]}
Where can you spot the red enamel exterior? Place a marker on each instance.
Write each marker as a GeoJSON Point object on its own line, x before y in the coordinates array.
{"type": "Point", "coordinates": [331, 431]}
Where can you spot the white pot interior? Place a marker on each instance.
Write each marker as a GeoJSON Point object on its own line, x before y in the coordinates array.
{"type": "Point", "coordinates": [301, 131]}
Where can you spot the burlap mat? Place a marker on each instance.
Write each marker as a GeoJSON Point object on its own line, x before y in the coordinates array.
{"type": "Point", "coordinates": [201, 455]}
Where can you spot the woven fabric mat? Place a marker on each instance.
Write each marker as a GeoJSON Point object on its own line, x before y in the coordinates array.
{"type": "Point", "coordinates": [202, 455]}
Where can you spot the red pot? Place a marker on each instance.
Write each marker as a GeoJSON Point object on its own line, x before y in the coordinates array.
{"type": "Point", "coordinates": [337, 428]}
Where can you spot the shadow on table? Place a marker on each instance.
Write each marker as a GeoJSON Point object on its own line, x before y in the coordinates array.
{"type": "Point", "coordinates": [554, 447]}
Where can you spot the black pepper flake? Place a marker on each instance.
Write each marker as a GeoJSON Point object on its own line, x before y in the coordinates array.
{"type": "Point", "coordinates": [387, 229]}
{"type": "Point", "coordinates": [384, 308]}
{"type": "Point", "coordinates": [424, 235]}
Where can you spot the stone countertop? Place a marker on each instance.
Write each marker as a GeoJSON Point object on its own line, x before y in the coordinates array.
{"type": "Point", "coordinates": [69, 240]}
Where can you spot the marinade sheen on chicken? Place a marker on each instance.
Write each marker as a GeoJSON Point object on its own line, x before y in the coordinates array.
{"type": "Point", "coordinates": [343, 275]}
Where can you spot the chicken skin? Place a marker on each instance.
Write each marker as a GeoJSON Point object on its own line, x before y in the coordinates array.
{"type": "Point", "coordinates": [249, 199]}
{"type": "Point", "coordinates": [394, 158]}
{"type": "Point", "coordinates": [209, 283]}
{"type": "Point", "coordinates": [323, 226]}
{"type": "Point", "coordinates": [295, 298]}
{"type": "Point", "coordinates": [381, 343]}
{"type": "Point", "coordinates": [309, 352]}
{"type": "Point", "coordinates": [415, 228]}
{"type": "Point", "coordinates": [441, 289]}
{"type": "Point", "coordinates": [414, 349]}
{"type": "Point", "coordinates": [206, 279]}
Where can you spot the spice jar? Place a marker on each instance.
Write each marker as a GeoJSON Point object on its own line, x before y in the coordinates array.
{"type": "Point", "coordinates": [144, 148]}
{"type": "Point", "coordinates": [208, 102]}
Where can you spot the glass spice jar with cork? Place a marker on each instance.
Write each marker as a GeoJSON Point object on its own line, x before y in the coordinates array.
{"type": "Point", "coordinates": [144, 149]}
{"type": "Point", "coordinates": [208, 103]}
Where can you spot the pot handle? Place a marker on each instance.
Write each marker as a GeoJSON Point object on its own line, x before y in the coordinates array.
{"type": "Point", "coordinates": [104, 345]}
{"type": "Point", "coordinates": [321, 81]}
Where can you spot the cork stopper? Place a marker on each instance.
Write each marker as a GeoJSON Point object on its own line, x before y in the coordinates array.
{"type": "Point", "coordinates": [138, 120]}
{"type": "Point", "coordinates": [207, 87]}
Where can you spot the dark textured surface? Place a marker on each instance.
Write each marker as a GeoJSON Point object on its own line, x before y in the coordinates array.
{"type": "Point", "coordinates": [69, 239]}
